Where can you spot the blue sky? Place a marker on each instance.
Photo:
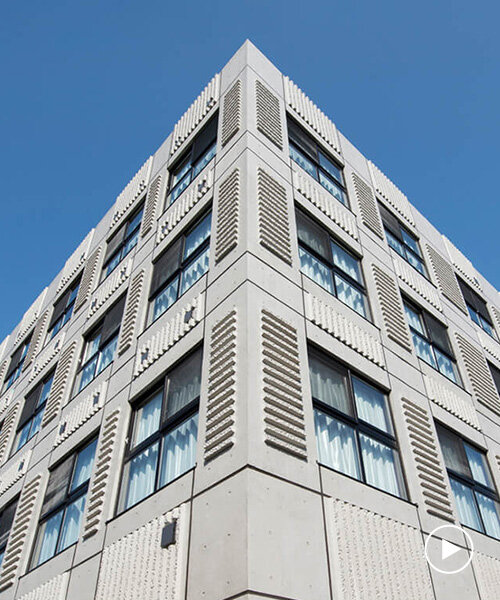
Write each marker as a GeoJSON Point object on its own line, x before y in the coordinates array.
{"type": "Point", "coordinates": [90, 89]}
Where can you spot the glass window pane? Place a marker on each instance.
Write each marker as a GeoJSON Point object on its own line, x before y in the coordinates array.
{"type": "Point", "coordinates": [489, 512]}
{"type": "Point", "coordinates": [329, 385]}
{"type": "Point", "coordinates": [317, 271]}
{"type": "Point", "coordinates": [414, 320]}
{"type": "Point", "coordinates": [415, 262]}
{"type": "Point", "coordinates": [332, 187]}
{"type": "Point", "coordinates": [165, 299]}
{"type": "Point", "coordinates": [487, 327]}
{"type": "Point", "coordinates": [466, 507]}
{"type": "Point", "coordinates": [131, 243]}
{"type": "Point", "coordinates": [134, 223]}
{"type": "Point", "coordinates": [71, 524]}
{"type": "Point", "coordinates": [303, 162]}
{"type": "Point", "coordinates": [199, 234]}
{"type": "Point", "coordinates": [36, 421]}
{"type": "Point", "coordinates": [194, 271]}
{"type": "Point", "coordinates": [139, 476]}
{"type": "Point", "coordinates": [410, 241]}
{"type": "Point", "coordinates": [107, 354]}
{"type": "Point", "coordinates": [395, 244]}
{"type": "Point", "coordinates": [424, 350]}
{"type": "Point", "coordinates": [45, 392]}
{"type": "Point", "coordinates": [330, 167]}
{"type": "Point", "coordinates": [350, 295]}
{"type": "Point", "coordinates": [83, 466]}
{"type": "Point", "coordinates": [22, 436]}
{"type": "Point", "coordinates": [181, 170]}
{"type": "Point", "coordinates": [113, 263]}
{"type": "Point", "coordinates": [179, 450]}
{"type": "Point", "coordinates": [446, 366]}
{"type": "Point", "coordinates": [92, 346]}
{"type": "Point", "coordinates": [204, 160]}
{"type": "Point", "coordinates": [372, 405]}
{"type": "Point", "coordinates": [47, 539]}
{"type": "Point", "coordinates": [184, 384]}
{"type": "Point", "coordinates": [343, 260]}
{"type": "Point", "coordinates": [381, 465]}
{"type": "Point", "coordinates": [453, 451]}
{"type": "Point", "coordinates": [176, 192]}
{"type": "Point", "coordinates": [313, 236]}
{"type": "Point", "coordinates": [87, 374]}
{"type": "Point", "coordinates": [147, 419]}
{"type": "Point", "coordinates": [336, 444]}
{"type": "Point", "coordinates": [478, 466]}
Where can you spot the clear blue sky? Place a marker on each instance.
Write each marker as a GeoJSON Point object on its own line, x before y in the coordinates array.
{"type": "Point", "coordinates": [90, 89]}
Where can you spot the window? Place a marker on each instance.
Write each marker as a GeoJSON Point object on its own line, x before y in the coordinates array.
{"type": "Point", "coordinates": [64, 504]}
{"type": "Point", "coordinates": [432, 345]}
{"type": "Point", "coordinates": [495, 373]}
{"type": "Point", "coordinates": [31, 417]}
{"type": "Point", "coordinates": [100, 346]}
{"type": "Point", "coordinates": [402, 241]}
{"type": "Point", "coordinates": [163, 430]}
{"type": "Point", "coordinates": [354, 431]}
{"type": "Point", "coordinates": [6, 519]}
{"type": "Point", "coordinates": [122, 243]}
{"type": "Point", "coordinates": [16, 364]}
{"type": "Point", "coordinates": [310, 157]}
{"type": "Point", "coordinates": [477, 308]}
{"type": "Point", "coordinates": [470, 479]}
{"type": "Point", "coordinates": [63, 309]}
{"type": "Point", "coordinates": [330, 265]}
{"type": "Point", "coordinates": [180, 267]}
{"type": "Point", "coordinates": [193, 161]}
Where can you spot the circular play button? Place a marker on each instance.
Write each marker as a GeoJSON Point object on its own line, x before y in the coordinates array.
{"type": "Point", "coordinates": [446, 550]}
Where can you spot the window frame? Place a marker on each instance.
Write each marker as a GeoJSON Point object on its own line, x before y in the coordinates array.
{"type": "Point", "coordinates": [184, 264]}
{"type": "Point", "coordinates": [332, 267]}
{"type": "Point", "coordinates": [128, 235]}
{"type": "Point", "coordinates": [71, 496]}
{"type": "Point", "coordinates": [357, 425]}
{"type": "Point", "coordinates": [427, 338]}
{"type": "Point", "coordinates": [475, 307]}
{"type": "Point", "coordinates": [63, 319]}
{"type": "Point", "coordinates": [187, 157]}
{"type": "Point", "coordinates": [470, 482]}
{"type": "Point", "coordinates": [314, 158]}
{"type": "Point", "coordinates": [17, 370]}
{"type": "Point", "coordinates": [166, 426]}
{"type": "Point", "coordinates": [12, 503]}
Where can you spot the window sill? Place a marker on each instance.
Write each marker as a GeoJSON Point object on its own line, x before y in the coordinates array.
{"type": "Point", "coordinates": [190, 185]}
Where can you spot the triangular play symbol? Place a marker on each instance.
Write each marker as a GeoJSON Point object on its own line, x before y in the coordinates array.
{"type": "Point", "coordinates": [448, 549]}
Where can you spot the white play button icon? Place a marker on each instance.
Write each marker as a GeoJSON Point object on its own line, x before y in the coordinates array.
{"type": "Point", "coordinates": [448, 549]}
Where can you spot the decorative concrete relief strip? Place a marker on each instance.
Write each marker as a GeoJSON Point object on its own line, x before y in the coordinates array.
{"type": "Point", "coordinates": [3, 347]}
{"type": "Point", "coordinates": [132, 192]}
{"type": "Point", "coordinates": [391, 193]}
{"type": "Point", "coordinates": [445, 397]}
{"type": "Point", "coordinates": [367, 546]}
{"type": "Point", "coordinates": [152, 198]}
{"type": "Point", "coordinates": [175, 329]}
{"type": "Point", "coordinates": [231, 113]}
{"type": "Point", "coordinates": [54, 589]}
{"type": "Point", "coordinates": [136, 567]}
{"type": "Point", "coordinates": [81, 413]}
{"type": "Point", "coordinates": [102, 469]}
{"type": "Point", "coordinates": [59, 384]}
{"type": "Point", "coordinates": [326, 204]}
{"type": "Point", "coordinates": [37, 338]}
{"type": "Point", "coordinates": [228, 215]}
{"type": "Point", "coordinates": [327, 318]}
{"type": "Point", "coordinates": [29, 318]}
{"type": "Point", "coordinates": [417, 282]}
{"type": "Point", "coordinates": [196, 113]}
{"type": "Point", "coordinates": [282, 387]}
{"type": "Point", "coordinates": [445, 278]}
{"type": "Point", "coordinates": [47, 356]}
{"type": "Point", "coordinates": [221, 407]}
{"type": "Point", "coordinates": [462, 263]}
{"type": "Point", "coordinates": [312, 115]}
{"type": "Point", "coordinates": [109, 286]}
{"type": "Point", "coordinates": [487, 574]}
{"type": "Point", "coordinates": [15, 471]}
{"type": "Point", "coordinates": [87, 282]}
{"type": "Point", "coordinates": [430, 471]}
{"type": "Point", "coordinates": [5, 433]}
{"type": "Point", "coordinates": [392, 308]}
{"type": "Point", "coordinates": [496, 314]}
{"type": "Point", "coordinates": [5, 403]}
{"type": "Point", "coordinates": [268, 114]}
{"type": "Point", "coordinates": [131, 312]}
{"type": "Point", "coordinates": [75, 261]}
{"type": "Point", "coordinates": [274, 220]}
{"type": "Point", "coordinates": [491, 346]}
{"type": "Point", "coordinates": [479, 374]}
{"type": "Point", "coordinates": [181, 207]}
{"type": "Point", "coordinates": [367, 205]}
{"type": "Point", "coordinates": [21, 527]}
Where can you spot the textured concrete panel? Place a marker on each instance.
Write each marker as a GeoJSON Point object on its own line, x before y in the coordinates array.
{"type": "Point", "coordinates": [15, 471]}
{"type": "Point", "coordinates": [47, 356]}
{"type": "Point", "coordinates": [88, 276]}
{"type": "Point", "coordinates": [54, 589]}
{"type": "Point", "coordinates": [5, 432]}
{"type": "Point", "coordinates": [268, 114]}
{"type": "Point", "coordinates": [231, 113]}
{"type": "Point", "coordinates": [487, 570]}
{"type": "Point", "coordinates": [151, 204]}
{"type": "Point", "coordinates": [107, 291]}
{"type": "Point", "coordinates": [367, 205]}
{"type": "Point", "coordinates": [445, 278]}
{"type": "Point", "coordinates": [59, 384]}
{"type": "Point", "coordinates": [131, 312]}
{"type": "Point", "coordinates": [132, 192]}
{"type": "Point", "coordinates": [446, 397]}
{"type": "Point", "coordinates": [416, 281]}
{"type": "Point", "coordinates": [391, 193]}
{"type": "Point", "coordinates": [228, 215]}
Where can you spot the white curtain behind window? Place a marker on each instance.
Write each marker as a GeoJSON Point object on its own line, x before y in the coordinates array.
{"type": "Point", "coordinates": [141, 476]}
{"type": "Point", "coordinates": [379, 464]}
{"type": "Point", "coordinates": [179, 450]}
{"type": "Point", "coordinates": [336, 444]}
{"type": "Point", "coordinates": [464, 500]}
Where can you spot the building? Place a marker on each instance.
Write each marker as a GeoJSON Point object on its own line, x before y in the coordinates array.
{"type": "Point", "coordinates": [263, 375]}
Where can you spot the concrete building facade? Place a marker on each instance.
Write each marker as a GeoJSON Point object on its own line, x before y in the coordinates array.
{"type": "Point", "coordinates": [264, 374]}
